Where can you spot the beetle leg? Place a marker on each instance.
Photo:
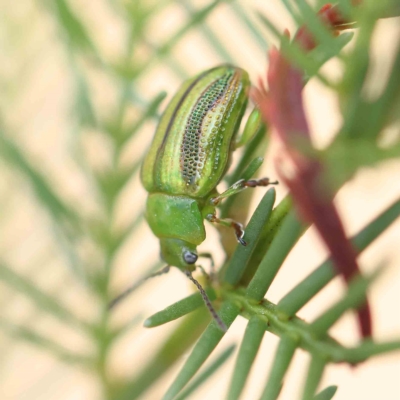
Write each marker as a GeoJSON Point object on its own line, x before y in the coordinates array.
{"type": "Point", "coordinates": [212, 264]}
{"type": "Point", "coordinates": [203, 271]}
{"type": "Point", "coordinates": [237, 227]}
{"type": "Point", "coordinates": [241, 185]}
{"type": "Point", "coordinates": [210, 257]}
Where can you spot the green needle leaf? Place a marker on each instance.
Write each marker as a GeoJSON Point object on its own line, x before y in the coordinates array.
{"type": "Point", "coordinates": [283, 242]}
{"type": "Point", "coordinates": [256, 147]}
{"type": "Point", "coordinates": [83, 108]}
{"type": "Point", "coordinates": [211, 37]}
{"type": "Point", "coordinates": [150, 112]}
{"type": "Point", "coordinates": [234, 206]}
{"type": "Point", "coordinates": [117, 333]}
{"type": "Point", "coordinates": [319, 31]}
{"type": "Point", "coordinates": [240, 13]}
{"type": "Point", "coordinates": [203, 348]}
{"type": "Point", "coordinates": [178, 309]}
{"type": "Point", "coordinates": [365, 350]}
{"type": "Point", "coordinates": [50, 200]}
{"type": "Point", "coordinates": [252, 168]}
{"type": "Point", "coordinates": [242, 254]}
{"type": "Point", "coordinates": [208, 372]}
{"type": "Point", "coordinates": [314, 375]}
{"type": "Point", "coordinates": [32, 337]}
{"type": "Point", "coordinates": [357, 67]}
{"type": "Point", "coordinates": [322, 54]}
{"type": "Point", "coordinates": [248, 350]}
{"type": "Point", "coordinates": [294, 53]}
{"type": "Point", "coordinates": [317, 280]}
{"type": "Point", "coordinates": [76, 31]}
{"type": "Point", "coordinates": [165, 49]}
{"type": "Point", "coordinates": [385, 105]}
{"type": "Point", "coordinates": [268, 234]}
{"type": "Point", "coordinates": [283, 356]}
{"type": "Point", "coordinates": [43, 301]}
{"type": "Point", "coordinates": [354, 297]}
{"type": "Point", "coordinates": [307, 289]}
{"type": "Point", "coordinates": [326, 394]}
{"type": "Point", "coordinates": [174, 347]}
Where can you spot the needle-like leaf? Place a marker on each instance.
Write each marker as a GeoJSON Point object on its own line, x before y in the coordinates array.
{"type": "Point", "coordinates": [30, 336]}
{"type": "Point", "coordinates": [248, 350]}
{"type": "Point", "coordinates": [51, 201]}
{"type": "Point", "coordinates": [314, 375]}
{"type": "Point", "coordinates": [242, 254]}
{"type": "Point", "coordinates": [283, 242]}
{"type": "Point", "coordinates": [174, 347]}
{"type": "Point", "coordinates": [326, 394]}
{"type": "Point", "coordinates": [354, 298]}
{"type": "Point", "coordinates": [203, 348]}
{"type": "Point", "coordinates": [178, 309]}
{"type": "Point", "coordinates": [313, 283]}
{"type": "Point", "coordinates": [207, 373]}
{"type": "Point", "coordinates": [283, 357]}
{"type": "Point", "coordinates": [365, 350]}
{"type": "Point", "coordinates": [43, 301]}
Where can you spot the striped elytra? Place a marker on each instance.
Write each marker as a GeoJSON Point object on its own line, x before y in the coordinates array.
{"type": "Point", "coordinates": [193, 142]}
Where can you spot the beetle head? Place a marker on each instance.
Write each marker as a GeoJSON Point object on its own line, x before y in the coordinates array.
{"type": "Point", "coordinates": [178, 253]}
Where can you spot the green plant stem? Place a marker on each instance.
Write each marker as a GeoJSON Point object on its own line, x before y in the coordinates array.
{"type": "Point", "coordinates": [325, 346]}
{"type": "Point", "coordinates": [367, 349]}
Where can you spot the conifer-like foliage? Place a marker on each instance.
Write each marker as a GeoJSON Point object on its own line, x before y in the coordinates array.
{"type": "Point", "coordinates": [65, 224]}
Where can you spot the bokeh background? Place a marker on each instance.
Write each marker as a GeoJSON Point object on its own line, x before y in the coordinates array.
{"type": "Point", "coordinates": [61, 96]}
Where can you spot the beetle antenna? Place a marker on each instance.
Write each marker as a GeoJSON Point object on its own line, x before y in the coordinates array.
{"type": "Point", "coordinates": [132, 288]}
{"type": "Point", "coordinates": [207, 302]}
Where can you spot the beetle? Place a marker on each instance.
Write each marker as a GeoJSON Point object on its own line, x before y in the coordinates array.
{"type": "Point", "coordinates": [189, 155]}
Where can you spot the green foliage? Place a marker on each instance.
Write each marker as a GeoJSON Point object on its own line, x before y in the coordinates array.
{"type": "Point", "coordinates": [242, 281]}
{"type": "Point", "coordinates": [242, 255]}
{"type": "Point", "coordinates": [248, 350]}
{"type": "Point", "coordinates": [179, 309]}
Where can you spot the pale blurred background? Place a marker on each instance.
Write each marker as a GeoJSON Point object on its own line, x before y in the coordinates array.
{"type": "Point", "coordinates": [40, 79]}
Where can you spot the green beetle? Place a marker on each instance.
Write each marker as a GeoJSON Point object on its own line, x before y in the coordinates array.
{"type": "Point", "coordinates": [189, 156]}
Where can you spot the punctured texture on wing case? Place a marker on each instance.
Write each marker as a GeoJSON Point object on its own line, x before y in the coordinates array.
{"type": "Point", "coordinates": [191, 149]}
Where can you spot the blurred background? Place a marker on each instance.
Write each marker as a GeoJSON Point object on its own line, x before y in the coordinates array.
{"type": "Point", "coordinates": [82, 85]}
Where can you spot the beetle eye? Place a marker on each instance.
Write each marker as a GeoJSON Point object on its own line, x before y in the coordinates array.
{"type": "Point", "coordinates": [189, 257]}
